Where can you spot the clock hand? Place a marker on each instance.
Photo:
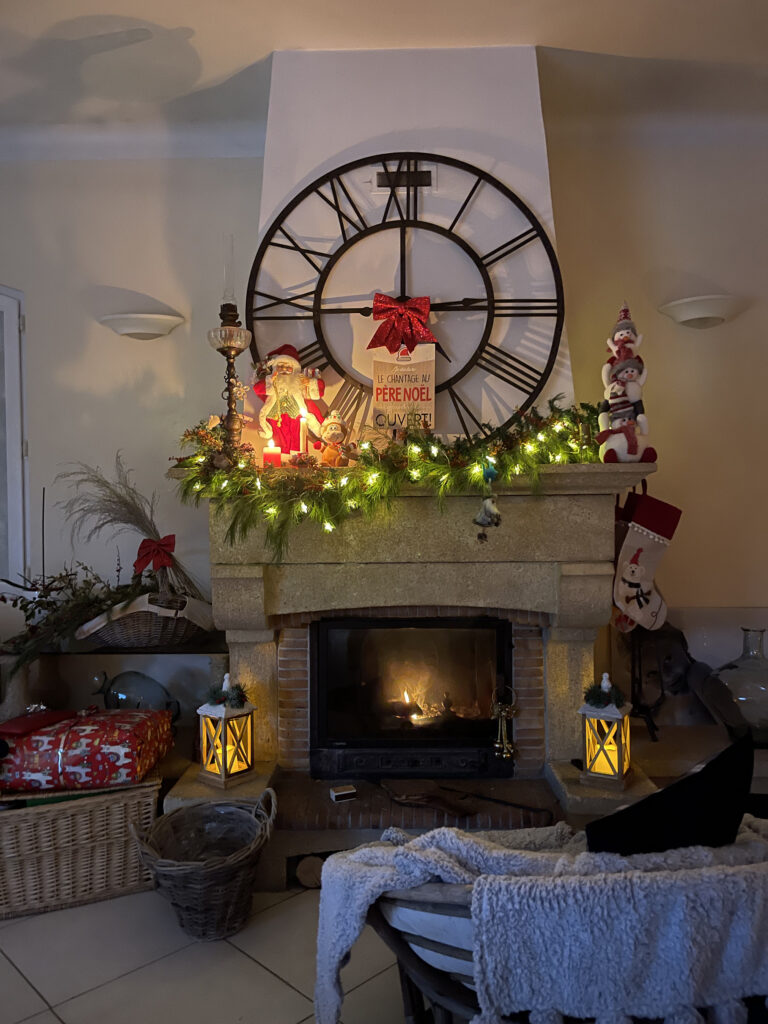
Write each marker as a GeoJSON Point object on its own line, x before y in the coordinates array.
{"type": "Point", "coordinates": [501, 307]}
{"type": "Point", "coordinates": [403, 284]}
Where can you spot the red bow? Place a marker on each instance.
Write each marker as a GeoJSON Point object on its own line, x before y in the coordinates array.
{"type": "Point", "coordinates": [405, 323]}
{"type": "Point", "coordinates": [159, 552]}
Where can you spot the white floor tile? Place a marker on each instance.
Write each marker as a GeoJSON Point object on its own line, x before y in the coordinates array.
{"type": "Point", "coordinates": [17, 997]}
{"type": "Point", "coordinates": [265, 900]}
{"type": "Point", "coordinates": [284, 938]}
{"type": "Point", "coordinates": [377, 1001]}
{"type": "Point", "coordinates": [43, 1018]}
{"type": "Point", "coordinates": [67, 952]}
{"type": "Point", "coordinates": [207, 983]}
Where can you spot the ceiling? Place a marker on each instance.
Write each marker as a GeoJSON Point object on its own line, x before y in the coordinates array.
{"type": "Point", "coordinates": [101, 62]}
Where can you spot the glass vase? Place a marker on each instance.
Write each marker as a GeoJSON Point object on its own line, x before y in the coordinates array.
{"type": "Point", "coordinates": [747, 679]}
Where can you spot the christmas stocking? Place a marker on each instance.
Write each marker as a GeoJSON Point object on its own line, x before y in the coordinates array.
{"type": "Point", "coordinates": [650, 524]}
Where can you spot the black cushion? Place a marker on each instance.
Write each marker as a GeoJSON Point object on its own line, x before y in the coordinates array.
{"type": "Point", "coordinates": [704, 808]}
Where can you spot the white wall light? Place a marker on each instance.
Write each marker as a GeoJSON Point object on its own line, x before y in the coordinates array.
{"type": "Point", "coordinates": [702, 311]}
{"type": "Point", "coordinates": [142, 326]}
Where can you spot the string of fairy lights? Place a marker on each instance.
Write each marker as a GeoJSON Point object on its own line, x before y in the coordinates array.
{"type": "Point", "coordinates": [380, 468]}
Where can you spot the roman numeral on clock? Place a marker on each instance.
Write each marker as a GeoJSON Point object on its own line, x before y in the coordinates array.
{"type": "Point", "coordinates": [349, 223]}
{"type": "Point", "coordinates": [407, 179]}
{"type": "Point", "coordinates": [349, 400]}
{"type": "Point", "coordinates": [310, 255]}
{"type": "Point", "coordinates": [462, 408]}
{"type": "Point", "coordinates": [507, 248]}
{"type": "Point", "coordinates": [509, 369]}
{"type": "Point", "coordinates": [313, 355]}
{"type": "Point", "coordinates": [261, 312]}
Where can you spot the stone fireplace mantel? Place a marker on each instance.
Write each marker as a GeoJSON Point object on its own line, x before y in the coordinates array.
{"type": "Point", "coordinates": [552, 556]}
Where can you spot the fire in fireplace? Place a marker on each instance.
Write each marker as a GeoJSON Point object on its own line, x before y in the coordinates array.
{"type": "Point", "coordinates": [408, 696]}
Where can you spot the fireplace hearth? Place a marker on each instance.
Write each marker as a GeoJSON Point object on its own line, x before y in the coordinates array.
{"type": "Point", "coordinates": [403, 696]}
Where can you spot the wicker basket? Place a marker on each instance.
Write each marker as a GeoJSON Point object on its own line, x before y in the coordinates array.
{"type": "Point", "coordinates": [74, 851]}
{"type": "Point", "coordinates": [203, 859]}
{"type": "Point", "coordinates": [149, 622]}
{"type": "Point", "coordinates": [145, 629]}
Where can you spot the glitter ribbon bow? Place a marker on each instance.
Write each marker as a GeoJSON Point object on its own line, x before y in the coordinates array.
{"type": "Point", "coordinates": [405, 323]}
{"type": "Point", "coordinates": [158, 552]}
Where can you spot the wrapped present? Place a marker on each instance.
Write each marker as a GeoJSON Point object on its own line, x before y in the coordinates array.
{"type": "Point", "coordinates": [98, 750]}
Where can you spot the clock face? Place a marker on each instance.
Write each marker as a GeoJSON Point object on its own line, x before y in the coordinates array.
{"type": "Point", "coordinates": [410, 225]}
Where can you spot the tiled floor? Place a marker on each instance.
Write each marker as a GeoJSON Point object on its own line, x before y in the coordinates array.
{"type": "Point", "coordinates": [126, 961]}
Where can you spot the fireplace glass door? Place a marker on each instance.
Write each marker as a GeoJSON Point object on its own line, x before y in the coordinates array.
{"type": "Point", "coordinates": [408, 683]}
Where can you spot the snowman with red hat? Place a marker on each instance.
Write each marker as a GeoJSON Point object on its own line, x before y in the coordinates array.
{"type": "Point", "coordinates": [622, 421]}
{"type": "Point", "coordinates": [289, 394]}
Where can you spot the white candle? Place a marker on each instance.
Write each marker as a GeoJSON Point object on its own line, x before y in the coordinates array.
{"type": "Point", "coordinates": [303, 434]}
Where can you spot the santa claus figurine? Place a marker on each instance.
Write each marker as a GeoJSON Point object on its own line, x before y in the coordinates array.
{"type": "Point", "coordinates": [288, 394]}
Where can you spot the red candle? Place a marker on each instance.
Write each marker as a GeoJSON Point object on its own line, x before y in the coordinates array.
{"type": "Point", "coordinates": [272, 455]}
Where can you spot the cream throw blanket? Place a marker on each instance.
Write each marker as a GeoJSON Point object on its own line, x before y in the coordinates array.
{"type": "Point", "coordinates": [558, 930]}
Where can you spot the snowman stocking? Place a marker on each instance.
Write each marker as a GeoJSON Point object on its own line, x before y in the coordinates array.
{"type": "Point", "coordinates": [650, 526]}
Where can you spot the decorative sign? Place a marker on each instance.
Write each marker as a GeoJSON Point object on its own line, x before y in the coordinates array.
{"type": "Point", "coordinates": [404, 390]}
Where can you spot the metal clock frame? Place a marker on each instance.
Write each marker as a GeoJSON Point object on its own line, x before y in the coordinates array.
{"type": "Point", "coordinates": [353, 227]}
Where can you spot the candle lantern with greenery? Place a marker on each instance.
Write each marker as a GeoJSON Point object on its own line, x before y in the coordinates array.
{"type": "Point", "coordinates": [226, 736]}
{"type": "Point", "coordinates": [605, 716]}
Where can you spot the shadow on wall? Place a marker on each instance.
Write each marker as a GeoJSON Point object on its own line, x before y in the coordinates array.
{"type": "Point", "coordinates": [100, 69]}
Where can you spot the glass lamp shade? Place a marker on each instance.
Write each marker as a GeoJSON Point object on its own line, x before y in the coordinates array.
{"type": "Point", "coordinates": [233, 339]}
{"type": "Point", "coordinates": [606, 744]}
{"type": "Point", "coordinates": [226, 744]}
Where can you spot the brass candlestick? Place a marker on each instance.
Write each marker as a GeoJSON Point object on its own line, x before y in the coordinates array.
{"type": "Point", "coordinates": [230, 340]}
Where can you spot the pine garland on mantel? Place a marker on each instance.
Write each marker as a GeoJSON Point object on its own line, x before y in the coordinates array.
{"type": "Point", "coordinates": [278, 499]}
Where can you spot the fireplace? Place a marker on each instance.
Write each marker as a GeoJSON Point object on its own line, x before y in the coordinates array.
{"type": "Point", "coordinates": [548, 570]}
{"type": "Point", "coordinates": [408, 696]}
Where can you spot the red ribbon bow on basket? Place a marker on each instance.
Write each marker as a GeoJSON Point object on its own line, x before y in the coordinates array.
{"type": "Point", "coordinates": [405, 323]}
{"type": "Point", "coordinates": [158, 552]}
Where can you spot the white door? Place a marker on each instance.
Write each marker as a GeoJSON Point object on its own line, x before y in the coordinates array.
{"type": "Point", "coordinates": [14, 539]}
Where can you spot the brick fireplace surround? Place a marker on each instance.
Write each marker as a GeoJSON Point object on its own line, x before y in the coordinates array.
{"type": "Point", "coordinates": [548, 568]}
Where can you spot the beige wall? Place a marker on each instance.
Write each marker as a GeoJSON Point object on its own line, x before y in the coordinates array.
{"type": "Point", "coordinates": [654, 205]}
{"type": "Point", "coordinates": [658, 189]}
{"type": "Point", "coordinates": [73, 231]}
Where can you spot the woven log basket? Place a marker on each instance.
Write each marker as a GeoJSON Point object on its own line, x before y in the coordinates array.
{"type": "Point", "coordinates": [203, 860]}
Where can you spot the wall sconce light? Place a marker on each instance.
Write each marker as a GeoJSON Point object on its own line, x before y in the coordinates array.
{"type": "Point", "coordinates": [702, 311]}
{"type": "Point", "coordinates": [142, 326]}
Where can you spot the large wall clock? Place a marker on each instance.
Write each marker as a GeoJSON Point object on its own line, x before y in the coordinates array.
{"type": "Point", "coordinates": [407, 225]}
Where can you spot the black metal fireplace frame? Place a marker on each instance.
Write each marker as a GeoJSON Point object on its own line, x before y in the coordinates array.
{"type": "Point", "coordinates": [395, 758]}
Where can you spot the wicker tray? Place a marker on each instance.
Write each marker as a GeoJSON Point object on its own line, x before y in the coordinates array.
{"type": "Point", "coordinates": [203, 859]}
{"type": "Point", "coordinates": [79, 850]}
{"type": "Point", "coordinates": [146, 623]}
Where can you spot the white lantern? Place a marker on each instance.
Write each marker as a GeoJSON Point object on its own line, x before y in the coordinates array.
{"type": "Point", "coordinates": [606, 744]}
{"type": "Point", "coordinates": [226, 742]}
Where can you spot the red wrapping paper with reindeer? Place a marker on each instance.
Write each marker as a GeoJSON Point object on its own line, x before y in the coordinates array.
{"type": "Point", "coordinates": [96, 751]}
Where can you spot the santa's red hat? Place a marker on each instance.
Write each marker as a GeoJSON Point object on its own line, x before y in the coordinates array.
{"type": "Point", "coordinates": [284, 354]}
{"type": "Point", "coordinates": [635, 559]}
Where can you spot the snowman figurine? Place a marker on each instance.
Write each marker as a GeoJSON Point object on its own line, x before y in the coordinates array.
{"type": "Point", "coordinates": [622, 436]}
{"type": "Point", "coordinates": [624, 369]}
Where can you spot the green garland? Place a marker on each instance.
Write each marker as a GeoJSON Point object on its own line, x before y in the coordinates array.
{"type": "Point", "coordinates": [278, 499]}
